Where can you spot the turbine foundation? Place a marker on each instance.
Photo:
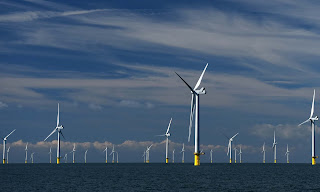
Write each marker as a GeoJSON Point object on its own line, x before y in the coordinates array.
{"type": "Point", "coordinates": [58, 160]}
{"type": "Point", "coordinates": [314, 160]}
{"type": "Point", "coordinates": [167, 160]}
{"type": "Point", "coordinates": [196, 159]}
{"type": "Point", "coordinates": [4, 161]}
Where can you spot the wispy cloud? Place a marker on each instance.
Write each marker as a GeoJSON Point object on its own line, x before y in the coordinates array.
{"type": "Point", "coordinates": [3, 105]}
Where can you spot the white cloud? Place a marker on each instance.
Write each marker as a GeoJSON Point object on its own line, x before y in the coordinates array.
{"type": "Point", "coordinates": [3, 105]}
{"type": "Point", "coordinates": [95, 106]}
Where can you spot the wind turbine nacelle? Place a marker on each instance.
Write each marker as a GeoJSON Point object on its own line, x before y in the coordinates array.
{"type": "Point", "coordinates": [201, 91]}
{"type": "Point", "coordinates": [168, 134]}
{"type": "Point", "coordinates": [316, 118]}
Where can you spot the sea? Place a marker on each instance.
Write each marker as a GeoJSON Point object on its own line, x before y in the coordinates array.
{"type": "Point", "coordinates": [159, 177]}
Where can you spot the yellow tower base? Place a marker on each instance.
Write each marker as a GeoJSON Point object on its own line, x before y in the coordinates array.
{"type": "Point", "coordinates": [147, 161]}
{"type": "Point", "coordinates": [275, 161]}
{"type": "Point", "coordinates": [314, 160]}
{"type": "Point", "coordinates": [25, 161]}
{"type": "Point", "coordinates": [230, 160]}
{"type": "Point", "coordinates": [287, 161]}
{"type": "Point", "coordinates": [264, 161]}
{"type": "Point", "coordinates": [235, 161]}
{"type": "Point", "coordinates": [117, 161]}
{"type": "Point", "coordinates": [167, 160]}
{"type": "Point", "coordinates": [182, 161]}
{"type": "Point", "coordinates": [196, 159]}
{"type": "Point", "coordinates": [112, 161]}
{"type": "Point", "coordinates": [58, 160]}
{"type": "Point", "coordinates": [211, 161]}
{"type": "Point", "coordinates": [106, 161]}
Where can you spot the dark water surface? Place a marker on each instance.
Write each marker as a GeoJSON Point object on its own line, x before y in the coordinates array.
{"type": "Point", "coordinates": [159, 177]}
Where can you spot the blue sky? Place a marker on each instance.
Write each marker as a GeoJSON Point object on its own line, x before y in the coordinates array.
{"type": "Point", "coordinates": [111, 67]}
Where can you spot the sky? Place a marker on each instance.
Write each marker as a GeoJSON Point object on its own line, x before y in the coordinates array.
{"type": "Point", "coordinates": [111, 64]}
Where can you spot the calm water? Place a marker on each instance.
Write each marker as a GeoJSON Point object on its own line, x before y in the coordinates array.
{"type": "Point", "coordinates": [159, 177]}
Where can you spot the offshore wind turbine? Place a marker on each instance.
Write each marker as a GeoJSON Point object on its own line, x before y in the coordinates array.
{"type": "Point", "coordinates": [230, 147]}
{"type": "Point", "coordinates": [194, 113]}
{"type": "Point", "coordinates": [50, 152]}
{"type": "Point", "coordinates": [106, 150]}
{"type": "Point", "coordinates": [274, 147]}
{"type": "Point", "coordinates": [8, 154]}
{"type": "Point", "coordinates": [167, 141]}
{"type": "Point", "coordinates": [117, 156]}
{"type": "Point", "coordinates": [211, 152]}
{"type": "Point", "coordinates": [182, 151]}
{"type": "Point", "coordinates": [264, 152]}
{"type": "Point", "coordinates": [148, 153]}
{"type": "Point", "coordinates": [240, 154]}
{"type": "Point", "coordinates": [312, 121]}
{"type": "Point", "coordinates": [85, 156]}
{"type": "Point", "coordinates": [235, 154]}
{"type": "Point", "coordinates": [66, 158]}
{"type": "Point", "coordinates": [31, 157]}
{"type": "Point", "coordinates": [26, 159]}
{"type": "Point", "coordinates": [112, 153]}
{"type": "Point", "coordinates": [287, 153]}
{"type": "Point", "coordinates": [4, 146]}
{"type": "Point", "coordinates": [73, 152]}
{"type": "Point", "coordinates": [57, 129]}
{"type": "Point", "coordinates": [144, 156]}
{"type": "Point", "coordinates": [173, 156]}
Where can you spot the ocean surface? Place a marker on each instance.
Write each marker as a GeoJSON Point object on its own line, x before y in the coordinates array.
{"type": "Point", "coordinates": [159, 177]}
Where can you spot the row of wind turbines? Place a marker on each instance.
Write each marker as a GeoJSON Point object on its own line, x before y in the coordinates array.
{"type": "Point", "coordinates": [194, 115]}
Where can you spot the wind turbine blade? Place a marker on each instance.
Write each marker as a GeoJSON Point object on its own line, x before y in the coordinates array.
{"type": "Point", "coordinates": [54, 130]}
{"type": "Point", "coordinates": [200, 79]}
{"type": "Point", "coordinates": [312, 107]}
{"type": "Point", "coordinates": [234, 136]}
{"type": "Point", "coordinates": [160, 135]}
{"type": "Point", "coordinates": [304, 122]}
{"type": "Point", "coordinates": [186, 84]}
{"type": "Point", "coordinates": [169, 126]}
{"type": "Point", "coordinates": [61, 134]}
{"type": "Point", "coordinates": [58, 118]}
{"type": "Point", "coordinates": [9, 134]}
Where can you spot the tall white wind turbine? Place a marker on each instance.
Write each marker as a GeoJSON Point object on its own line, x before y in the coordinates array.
{"type": "Point", "coordinates": [148, 153]}
{"type": "Point", "coordinates": [195, 114]}
{"type": "Point", "coordinates": [106, 150]}
{"type": "Point", "coordinates": [31, 157]}
{"type": "Point", "coordinates": [211, 152]}
{"type": "Point", "coordinates": [57, 129]}
{"type": "Point", "coordinates": [230, 147]}
{"type": "Point", "coordinates": [274, 147]}
{"type": "Point", "coordinates": [73, 152]}
{"type": "Point", "coordinates": [173, 156]}
{"type": "Point", "coordinates": [312, 121]}
{"type": "Point", "coordinates": [240, 154]}
{"type": "Point", "coordinates": [287, 153]}
{"type": "Point", "coordinates": [4, 146]}
{"type": "Point", "coordinates": [8, 150]}
{"type": "Point", "coordinates": [264, 152]}
{"type": "Point", "coordinates": [182, 151]}
{"type": "Point", "coordinates": [26, 159]}
{"type": "Point", "coordinates": [85, 156]}
{"type": "Point", "coordinates": [112, 153]}
{"type": "Point", "coordinates": [167, 141]}
{"type": "Point", "coordinates": [50, 152]}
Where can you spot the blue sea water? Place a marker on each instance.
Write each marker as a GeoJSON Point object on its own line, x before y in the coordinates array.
{"type": "Point", "coordinates": [159, 177]}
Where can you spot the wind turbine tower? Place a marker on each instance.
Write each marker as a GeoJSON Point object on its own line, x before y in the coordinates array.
{"type": "Point", "coordinates": [211, 152]}
{"type": "Point", "coordinates": [57, 129]}
{"type": "Point", "coordinates": [112, 153]}
{"type": "Point", "coordinates": [148, 153]}
{"type": "Point", "coordinates": [106, 150]}
{"type": "Point", "coordinates": [264, 152]}
{"type": "Point", "coordinates": [287, 153]}
{"type": "Point", "coordinates": [4, 146]}
{"type": "Point", "coordinates": [73, 152]}
{"type": "Point", "coordinates": [274, 147]}
{"type": "Point", "coordinates": [167, 141]}
{"type": "Point", "coordinates": [85, 156]}
{"type": "Point", "coordinates": [195, 114]}
{"type": "Point", "coordinates": [182, 151]}
{"type": "Point", "coordinates": [235, 155]}
{"type": "Point", "coordinates": [312, 121]}
{"type": "Point", "coordinates": [240, 154]}
{"type": "Point", "coordinates": [26, 159]}
{"type": "Point", "coordinates": [8, 155]}
{"type": "Point", "coordinates": [173, 156]}
{"type": "Point", "coordinates": [50, 152]}
{"type": "Point", "coordinates": [31, 157]}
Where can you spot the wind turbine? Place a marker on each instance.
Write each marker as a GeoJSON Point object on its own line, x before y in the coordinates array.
{"type": "Point", "coordinates": [182, 151]}
{"type": "Point", "coordinates": [287, 153]}
{"type": "Point", "coordinates": [73, 151]}
{"type": "Point", "coordinates": [312, 121]}
{"type": "Point", "coordinates": [106, 150]}
{"type": "Point", "coordinates": [66, 158]}
{"type": "Point", "coordinates": [58, 129]}
{"type": "Point", "coordinates": [230, 147]}
{"type": "Point", "coordinates": [26, 159]}
{"type": "Point", "coordinates": [264, 152]}
{"type": "Point", "coordinates": [240, 154]}
{"type": "Point", "coordinates": [31, 157]}
{"type": "Point", "coordinates": [235, 154]}
{"type": "Point", "coordinates": [4, 146]}
{"type": "Point", "coordinates": [173, 156]}
{"type": "Point", "coordinates": [50, 152]}
{"type": "Point", "coordinates": [144, 156]}
{"type": "Point", "coordinates": [112, 152]}
{"type": "Point", "coordinates": [167, 141]}
{"type": "Point", "coordinates": [148, 153]}
{"type": "Point", "coordinates": [117, 157]}
{"type": "Point", "coordinates": [8, 154]}
{"type": "Point", "coordinates": [274, 146]}
{"type": "Point", "coordinates": [85, 156]}
{"type": "Point", "coordinates": [195, 113]}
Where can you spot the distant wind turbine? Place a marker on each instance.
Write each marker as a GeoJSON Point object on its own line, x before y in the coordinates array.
{"type": "Point", "coordinates": [230, 147]}
{"type": "Point", "coordinates": [58, 128]}
{"type": "Point", "coordinates": [167, 141]}
{"type": "Point", "coordinates": [4, 146]}
{"type": "Point", "coordinates": [235, 155]}
{"type": "Point", "coordinates": [182, 151]}
{"type": "Point", "coordinates": [144, 156]}
{"type": "Point", "coordinates": [274, 147]}
{"type": "Point", "coordinates": [66, 158]}
{"type": "Point", "coordinates": [264, 152]}
{"type": "Point", "coordinates": [240, 154]}
{"type": "Point", "coordinates": [148, 153]}
{"type": "Point", "coordinates": [31, 157]}
{"type": "Point", "coordinates": [211, 152]}
{"type": "Point", "coordinates": [106, 150]}
{"type": "Point", "coordinates": [312, 121]}
{"type": "Point", "coordinates": [73, 152]}
{"type": "Point", "coordinates": [8, 154]}
{"type": "Point", "coordinates": [117, 156]}
{"type": "Point", "coordinates": [287, 153]}
{"type": "Point", "coordinates": [194, 113]}
{"type": "Point", "coordinates": [173, 156]}
{"type": "Point", "coordinates": [85, 156]}
{"type": "Point", "coordinates": [112, 153]}
{"type": "Point", "coordinates": [26, 159]}
{"type": "Point", "coordinates": [50, 152]}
